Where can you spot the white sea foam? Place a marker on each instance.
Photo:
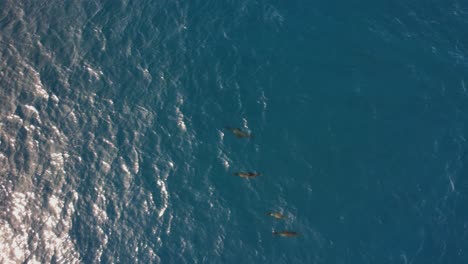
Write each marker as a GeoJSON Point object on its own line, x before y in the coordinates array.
{"type": "Point", "coordinates": [101, 37]}
{"type": "Point", "coordinates": [33, 229]}
{"type": "Point", "coordinates": [124, 167]}
{"type": "Point", "coordinates": [40, 91]}
{"type": "Point", "coordinates": [54, 98]}
{"type": "Point", "coordinates": [225, 161]}
{"type": "Point", "coordinates": [126, 175]}
{"type": "Point", "coordinates": [15, 118]}
{"type": "Point", "coordinates": [146, 74]}
{"type": "Point", "coordinates": [246, 124]}
{"type": "Point", "coordinates": [56, 130]}
{"type": "Point", "coordinates": [136, 161]}
{"type": "Point", "coordinates": [101, 218]}
{"type": "Point", "coordinates": [108, 142]}
{"type": "Point", "coordinates": [273, 16]}
{"type": "Point", "coordinates": [165, 196]}
{"type": "Point", "coordinates": [57, 160]}
{"type": "Point", "coordinates": [105, 166]}
{"type": "Point", "coordinates": [179, 115]}
{"type": "Point", "coordinates": [33, 111]}
{"type": "Point", "coordinates": [72, 116]}
{"type": "Point", "coordinates": [95, 73]}
{"type": "Point", "coordinates": [449, 177]}
{"type": "Point", "coordinates": [263, 100]}
{"type": "Point", "coordinates": [463, 86]}
{"type": "Point", "coordinates": [221, 135]}
{"type": "Point", "coordinates": [99, 213]}
{"type": "Point", "coordinates": [169, 221]}
{"type": "Point", "coordinates": [180, 120]}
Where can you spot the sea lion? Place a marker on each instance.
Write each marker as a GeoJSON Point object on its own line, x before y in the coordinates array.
{"type": "Point", "coordinates": [285, 233]}
{"type": "Point", "coordinates": [247, 174]}
{"type": "Point", "coordinates": [239, 133]}
{"type": "Point", "coordinates": [276, 215]}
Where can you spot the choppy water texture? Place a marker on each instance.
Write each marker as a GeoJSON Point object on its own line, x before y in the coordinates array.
{"type": "Point", "coordinates": [113, 147]}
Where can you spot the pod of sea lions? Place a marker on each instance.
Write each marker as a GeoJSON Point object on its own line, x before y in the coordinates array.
{"type": "Point", "coordinates": [239, 133]}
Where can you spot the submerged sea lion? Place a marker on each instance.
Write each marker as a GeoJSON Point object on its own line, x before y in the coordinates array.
{"type": "Point", "coordinates": [247, 174]}
{"type": "Point", "coordinates": [239, 133]}
{"type": "Point", "coordinates": [276, 215]}
{"type": "Point", "coordinates": [285, 233]}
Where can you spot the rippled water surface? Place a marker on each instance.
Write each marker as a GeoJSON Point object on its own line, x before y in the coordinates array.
{"type": "Point", "coordinates": [113, 145]}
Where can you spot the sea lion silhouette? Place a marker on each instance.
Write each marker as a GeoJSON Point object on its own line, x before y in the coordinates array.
{"type": "Point", "coordinates": [276, 215]}
{"type": "Point", "coordinates": [285, 233]}
{"type": "Point", "coordinates": [247, 174]}
{"type": "Point", "coordinates": [239, 132]}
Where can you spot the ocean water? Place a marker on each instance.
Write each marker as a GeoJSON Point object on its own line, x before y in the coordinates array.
{"type": "Point", "coordinates": [113, 147]}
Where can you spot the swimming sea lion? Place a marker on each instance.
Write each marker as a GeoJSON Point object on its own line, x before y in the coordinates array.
{"type": "Point", "coordinates": [276, 215]}
{"type": "Point", "coordinates": [285, 233]}
{"type": "Point", "coordinates": [239, 133]}
{"type": "Point", "coordinates": [247, 174]}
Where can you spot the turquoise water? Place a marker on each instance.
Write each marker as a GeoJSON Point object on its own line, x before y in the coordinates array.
{"type": "Point", "coordinates": [113, 147]}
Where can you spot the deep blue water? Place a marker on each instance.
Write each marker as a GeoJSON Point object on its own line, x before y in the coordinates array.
{"type": "Point", "coordinates": [113, 147]}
